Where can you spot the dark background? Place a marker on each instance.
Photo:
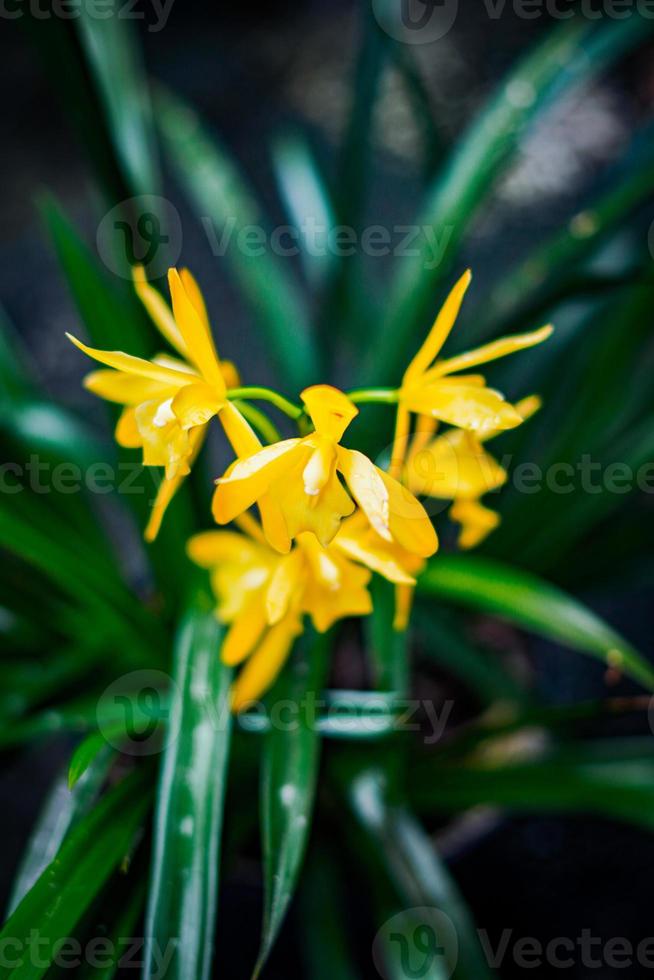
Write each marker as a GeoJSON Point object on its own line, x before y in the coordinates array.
{"type": "Point", "coordinates": [251, 71]}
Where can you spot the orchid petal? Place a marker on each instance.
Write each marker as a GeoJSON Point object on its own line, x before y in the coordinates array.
{"type": "Point", "coordinates": [440, 330]}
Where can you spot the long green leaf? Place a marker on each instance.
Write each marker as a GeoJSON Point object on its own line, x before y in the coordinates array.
{"type": "Point", "coordinates": [189, 805]}
{"type": "Point", "coordinates": [555, 720]}
{"type": "Point", "coordinates": [90, 749]}
{"type": "Point", "coordinates": [95, 67]}
{"type": "Point", "coordinates": [420, 877]}
{"type": "Point", "coordinates": [290, 770]}
{"type": "Point", "coordinates": [614, 779]}
{"type": "Point", "coordinates": [305, 196]}
{"type": "Point", "coordinates": [109, 308]}
{"type": "Point", "coordinates": [49, 429]}
{"type": "Point", "coordinates": [64, 61]}
{"type": "Point", "coordinates": [61, 811]}
{"type": "Point", "coordinates": [533, 604]}
{"type": "Point", "coordinates": [345, 311]}
{"type": "Point", "coordinates": [222, 198]}
{"type": "Point", "coordinates": [110, 47]}
{"type": "Point", "coordinates": [68, 886]}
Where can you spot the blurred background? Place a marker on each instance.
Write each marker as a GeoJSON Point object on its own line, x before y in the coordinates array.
{"type": "Point", "coordinates": [259, 75]}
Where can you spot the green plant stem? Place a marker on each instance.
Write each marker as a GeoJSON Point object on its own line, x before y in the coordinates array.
{"type": "Point", "coordinates": [265, 428]}
{"type": "Point", "coordinates": [362, 396]}
{"type": "Point", "coordinates": [267, 395]}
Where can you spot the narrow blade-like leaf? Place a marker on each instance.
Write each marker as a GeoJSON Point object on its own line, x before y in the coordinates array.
{"type": "Point", "coordinates": [290, 770]}
{"type": "Point", "coordinates": [189, 805]}
{"type": "Point", "coordinates": [68, 886]}
{"type": "Point", "coordinates": [533, 604]}
{"type": "Point", "coordinates": [418, 874]}
{"type": "Point", "coordinates": [110, 47]}
{"type": "Point", "coordinates": [62, 809]}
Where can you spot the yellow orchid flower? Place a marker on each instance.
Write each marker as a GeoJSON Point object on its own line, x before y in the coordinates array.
{"type": "Point", "coordinates": [452, 466]}
{"type": "Point", "coordinates": [455, 466]}
{"type": "Point", "coordinates": [359, 541]}
{"type": "Point", "coordinates": [434, 387]}
{"type": "Point", "coordinates": [298, 479]}
{"type": "Point", "coordinates": [168, 401]}
{"type": "Point", "coordinates": [263, 596]}
{"type": "Point", "coordinates": [476, 520]}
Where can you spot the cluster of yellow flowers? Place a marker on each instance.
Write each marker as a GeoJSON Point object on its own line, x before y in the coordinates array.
{"type": "Point", "coordinates": [328, 516]}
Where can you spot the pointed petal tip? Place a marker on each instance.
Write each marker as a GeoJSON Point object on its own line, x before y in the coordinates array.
{"type": "Point", "coordinates": [85, 349]}
{"type": "Point", "coordinates": [88, 380]}
{"type": "Point", "coordinates": [175, 284]}
{"type": "Point", "coordinates": [528, 406]}
{"type": "Point", "coordinates": [511, 420]}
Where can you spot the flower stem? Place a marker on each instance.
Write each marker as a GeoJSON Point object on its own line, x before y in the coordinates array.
{"type": "Point", "coordinates": [400, 442]}
{"type": "Point", "coordinates": [362, 396]}
{"type": "Point", "coordinates": [267, 395]}
{"type": "Point", "coordinates": [268, 432]}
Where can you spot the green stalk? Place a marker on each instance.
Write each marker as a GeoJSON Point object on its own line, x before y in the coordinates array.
{"type": "Point", "coordinates": [267, 395]}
